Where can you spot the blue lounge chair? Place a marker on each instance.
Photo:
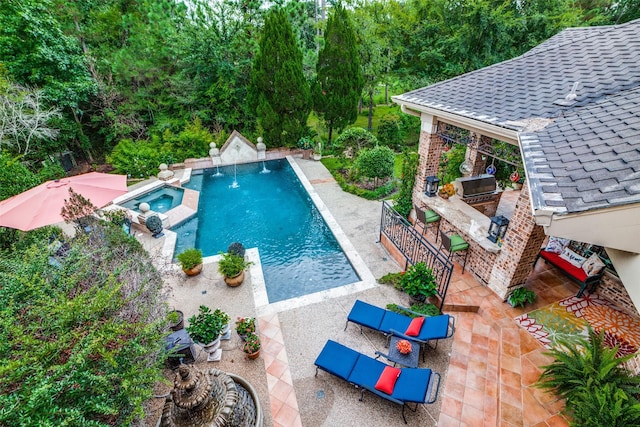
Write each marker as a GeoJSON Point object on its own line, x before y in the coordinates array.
{"type": "Point", "coordinates": [414, 385]}
{"type": "Point", "coordinates": [390, 323]}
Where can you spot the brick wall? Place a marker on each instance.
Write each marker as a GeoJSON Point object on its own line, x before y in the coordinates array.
{"type": "Point", "coordinates": [613, 290]}
{"type": "Point", "coordinates": [520, 247]}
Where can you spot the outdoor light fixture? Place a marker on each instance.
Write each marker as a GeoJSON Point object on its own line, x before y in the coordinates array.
{"type": "Point", "coordinates": [497, 228]}
{"type": "Point", "coordinates": [431, 188]}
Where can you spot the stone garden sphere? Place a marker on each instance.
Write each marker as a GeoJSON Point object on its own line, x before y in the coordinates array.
{"type": "Point", "coordinates": [144, 207]}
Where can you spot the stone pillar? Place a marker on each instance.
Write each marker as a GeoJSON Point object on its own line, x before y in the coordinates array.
{"type": "Point", "coordinates": [165, 174]}
{"type": "Point", "coordinates": [215, 154]}
{"type": "Point", "coordinates": [429, 149]}
{"type": "Point", "coordinates": [262, 148]}
{"type": "Point", "coordinates": [475, 158]}
{"type": "Point", "coordinates": [520, 247]}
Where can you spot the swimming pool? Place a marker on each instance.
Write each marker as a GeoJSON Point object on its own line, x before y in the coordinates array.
{"type": "Point", "coordinates": [273, 212]}
{"type": "Point", "coordinates": [161, 199]}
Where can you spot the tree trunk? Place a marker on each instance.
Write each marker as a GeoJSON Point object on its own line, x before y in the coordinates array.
{"type": "Point", "coordinates": [370, 118]}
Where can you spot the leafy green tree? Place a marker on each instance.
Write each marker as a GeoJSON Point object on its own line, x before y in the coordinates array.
{"type": "Point", "coordinates": [389, 132]}
{"type": "Point", "coordinates": [137, 159]}
{"type": "Point", "coordinates": [404, 202]}
{"type": "Point", "coordinates": [355, 139]}
{"type": "Point", "coordinates": [14, 176]}
{"type": "Point", "coordinates": [279, 94]}
{"type": "Point", "coordinates": [376, 163]}
{"type": "Point", "coordinates": [339, 79]}
{"type": "Point", "coordinates": [82, 326]}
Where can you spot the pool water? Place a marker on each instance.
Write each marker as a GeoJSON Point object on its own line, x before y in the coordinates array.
{"type": "Point", "coordinates": [273, 212]}
{"type": "Point", "coordinates": [161, 200]}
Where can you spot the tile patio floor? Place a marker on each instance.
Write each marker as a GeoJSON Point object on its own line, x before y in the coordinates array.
{"type": "Point", "coordinates": [492, 364]}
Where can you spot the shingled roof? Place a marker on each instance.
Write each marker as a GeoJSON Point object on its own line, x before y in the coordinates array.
{"type": "Point", "coordinates": [588, 156]}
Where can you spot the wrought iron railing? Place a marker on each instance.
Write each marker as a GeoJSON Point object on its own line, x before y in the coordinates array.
{"type": "Point", "coordinates": [415, 247]}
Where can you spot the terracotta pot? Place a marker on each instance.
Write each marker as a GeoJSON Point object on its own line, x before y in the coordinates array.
{"type": "Point", "coordinates": [443, 195]}
{"type": "Point", "coordinates": [234, 281]}
{"type": "Point", "coordinates": [253, 355]}
{"type": "Point", "coordinates": [193, 271]}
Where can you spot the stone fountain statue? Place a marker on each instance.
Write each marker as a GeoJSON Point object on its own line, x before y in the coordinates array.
{"type": "Point", "coordinates": [210, 399]}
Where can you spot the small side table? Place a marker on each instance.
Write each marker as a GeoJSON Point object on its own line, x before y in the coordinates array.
{"type": "Point", "coordinates": [409, 360]}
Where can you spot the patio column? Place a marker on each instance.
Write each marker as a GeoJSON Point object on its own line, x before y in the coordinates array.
{"type": "Point", "coordinates": [520, 247]}
{"type": "Point", "coordinates": [429, 149]}
{"type": "Point", "coordinates": [479, 164]}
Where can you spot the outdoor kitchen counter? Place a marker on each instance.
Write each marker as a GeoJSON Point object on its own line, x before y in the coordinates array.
{"type": "Point", "coordinates": [464, 218]}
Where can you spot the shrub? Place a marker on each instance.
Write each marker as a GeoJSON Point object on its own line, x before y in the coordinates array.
{"type": "Point", "coordinates": [389, 132]}
{"type": "Point", "coordinates": [355, 139]}
{"type": "Point", "coordinates": [521, 296]}
{"type": "Point", "coordinates": [419, 282]}
{"type": "Point", "coordinates": [136, 159]}
{"type": "Point", "coordinates": [376, 163]}
{"type": "Point", "coordinates": [236, 248]}
{"type": "Point", "coordinates": [83, 341]}
{"type": "Point", "coordinates": [404, 202]}
{"type": "Point", "coordinates": [14, 176]}
{"type": "Point", "coordinates": [206, 326]}
{"type": "Point", "coordinates": [583, 366]}
{"type": "Point", "coordinates": [231, 265]}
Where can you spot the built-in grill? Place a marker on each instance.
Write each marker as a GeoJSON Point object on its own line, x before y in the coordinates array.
{"type": "Point", "coordinates": [476, 186]}
{"type": "Point", "coordinates": [480, 191]}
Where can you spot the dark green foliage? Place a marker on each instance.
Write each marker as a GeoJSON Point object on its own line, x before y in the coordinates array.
{"type": "Point", "coordinates": [355, 139]}
{"type": "Point", "coordinates": [14, 176]}
{"type": "Point", "coordinates": [189, 258]}
{"type": "Point", "coordinates": [584, 371]}
{"type": "Point", "coordinates": [339, 79]}
{"type": "Point", "coordinates": [604, 406]}
{"type": "Point", "coordinates": [376, 163]}
{"type": "Point", "coordinates": [389, 132]}
{"type": "Point", "coordinates": [279, 93]}
{"type": "Point", "coordinates": [450, 163]}
{"type": "Point", "coordinates": [50, 171]}
{"type": "Point", "coordinates": [404, 202]}
{"type": "Point", "coordinates": [236, 248]}
{"type": "Point", "coordinates": [206, 326]}
{"type": "Point", "coordinates": [392, 279]}
{"type": "Point", "coordinates": [136, 159]}
{"type": "Point", "coordinates": [81, 343]}
{"type": "Point", "coordinates": [419, 282]}
{"type": "Point", "coordinates": [521, 296]}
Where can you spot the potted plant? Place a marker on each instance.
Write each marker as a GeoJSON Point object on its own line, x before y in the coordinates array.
{"type": "Point", "coordinates": [236, 248]}
{"type": "Point", "coordinates": [245, 326]}
{"type": "Point", "coordinates": [251, 346]}
{"type": "Point", "coordinates": [191, 261]}
{"type": "Point", "coordinates": [419, 282]}
{"type": "Point", "coordinates": [447, 190]}
{"type": "Point", "coordinates": [205, 328]}
{"type": "Point", "coordinates": [232, 267]}
{"type": "Point", "coordinates": [176, 320]}
{"type": "Point", "coordinates": [521, 296]}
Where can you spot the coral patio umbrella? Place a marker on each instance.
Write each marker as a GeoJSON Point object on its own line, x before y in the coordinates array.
{"type": "Point", "coordinates": [41, 205]}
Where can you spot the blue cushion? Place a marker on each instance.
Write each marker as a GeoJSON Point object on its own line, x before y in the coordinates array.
{"type": "Point", "coordinates": [434, 327]}
{"type": "Point", "coordinates": [337, 359]}
{"type": "Point", "coordinates": [367, 371]}
{"type": "Point", "coordinates": [366, 314]}
{"type": "Point", "coordinates": [412, 385]}
{"type": "Point", "coordinates": [396, 321]}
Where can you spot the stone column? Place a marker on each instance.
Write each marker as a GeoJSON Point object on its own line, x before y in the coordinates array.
{"type": "Point", "coordinates": [429, 149]}
{"type": "Point", "coordinates": [474, 157]}
{"type": "Point", "coordinates": [520, 247]}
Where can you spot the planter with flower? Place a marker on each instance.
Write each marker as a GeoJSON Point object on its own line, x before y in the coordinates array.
{"type": "Point", "coordinates": [205, 328]}
{"type": "Point", "coordinates": [251, 346]}
{"type": "Point", "coordinates": [447, 191]}
{"type": "Point", "coordinates": [245, 326]}
{"type": "Point", "coordinates": [232, 267]}
{"type": "Point", "coordinates": [419, 282]}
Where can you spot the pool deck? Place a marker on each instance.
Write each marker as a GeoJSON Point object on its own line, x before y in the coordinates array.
{"type": "Point", "coordinates": [488, 367]}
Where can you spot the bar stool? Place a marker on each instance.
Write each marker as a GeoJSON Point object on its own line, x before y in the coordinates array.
{"type": "Point", "coordinates": [428, 218]}
{"type": "Point", "coordinates": [453, 244]}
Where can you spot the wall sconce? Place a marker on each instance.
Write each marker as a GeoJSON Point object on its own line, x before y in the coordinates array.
{"type": "Point", "coordinates": [431, 186]}
{"type": "Point", "coordinates": [497, 228]}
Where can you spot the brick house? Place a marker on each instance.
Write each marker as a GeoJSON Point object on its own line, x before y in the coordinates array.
{"type": "Point", "coordinates": [572, 107]}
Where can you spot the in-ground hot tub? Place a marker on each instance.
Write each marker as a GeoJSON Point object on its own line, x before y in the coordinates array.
{"type": "Point", "coordinates": [161, 199]}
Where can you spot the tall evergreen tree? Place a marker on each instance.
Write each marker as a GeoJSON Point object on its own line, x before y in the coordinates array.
{"type": "Point", "coordinates": [279, 93]}
{"type": "Point", "coordinates": [339, 81]}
